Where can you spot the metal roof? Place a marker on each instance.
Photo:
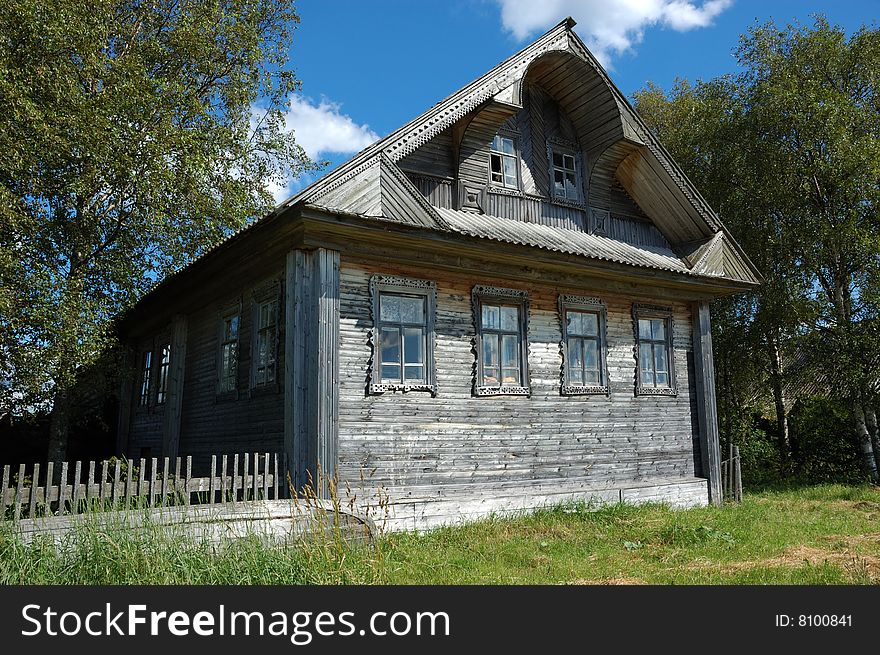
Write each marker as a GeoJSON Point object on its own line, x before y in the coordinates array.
{"type": "Point", "coordinates": [560, 239]}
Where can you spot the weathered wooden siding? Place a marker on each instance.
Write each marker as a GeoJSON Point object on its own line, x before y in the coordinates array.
{"type": "Point", "coordinates": [458, 445]}
{"type": "Point", "coordinates": [249, 420]}
{"type": "Point", "coordinates": [541, 118]}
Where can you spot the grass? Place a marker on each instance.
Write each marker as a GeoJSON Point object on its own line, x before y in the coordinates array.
{"type": "Point", "coordinates": [816, 535]}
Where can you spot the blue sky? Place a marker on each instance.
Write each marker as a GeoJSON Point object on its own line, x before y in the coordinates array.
{"type": "Point", "coordinates": [368, 67]}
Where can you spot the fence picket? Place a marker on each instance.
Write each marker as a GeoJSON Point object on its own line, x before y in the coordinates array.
{"type": "Point", "coordinates": [90, 492]}
{"type": "Point", "coordinates": [275, 476]}
{"type": "Point", "coordinates": [5, 486]}
{"type": "Point", "coordinates": [164, 500]}
{"type": "Point", "coordinates": [35, 484]}
{"type": "Point", "coordinates": [235, 478]}
{"type": "Point", "coordinates": [50, 487]}
{"type": "Point", "coordinates": [114, 489]}
{"type": "Point", "coordinates": [102, 491]}
{"type": "Point", "coordinates": [77, 475]}
{"type": "Point", "coordinates": [223, 486]}
{"type": "Point", "coordinates": [244, 477]}
{"type": "Point", "coordinates": [62, 489]}
{"type": "Point", "coordinates": [129, 478]}
{"type": "Point", "coordinates": [189, 471]}
{"type": "Point", "coordinates": [18, 486]}
{"type": "Point", "coordinates": [256, 487]}
{"type": "Point", "coordinates": [211, 485]}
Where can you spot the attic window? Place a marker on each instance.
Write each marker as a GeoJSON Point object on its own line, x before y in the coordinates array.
{"type": "Point", "coordinates": [565, 174]}
{"type": "Point", "coordinates": [503, 162]}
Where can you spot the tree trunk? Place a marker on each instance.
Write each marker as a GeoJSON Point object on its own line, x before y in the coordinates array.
{"type": "Point", "coordinates": [871, 421]}
{"type": "Point", "coordinates": [59, 426]}
{"type": "Point", "coordinates": [779, 402]}
{"type": "Point", "coordinates": [864, 437]}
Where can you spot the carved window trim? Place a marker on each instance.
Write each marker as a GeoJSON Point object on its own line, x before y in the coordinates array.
{"type": "Point", "coordinates": [642, 310]}
{"type": "Point", "coordinates": [600, 220]}
{"type": "Point", "coordinates": [585, 304]}
{"type": "Point", "coordinates": [406, 286]}
{"type": "Point", "coordinates": [520, 298]}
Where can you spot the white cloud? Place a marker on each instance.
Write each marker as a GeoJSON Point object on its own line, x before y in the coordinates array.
{"type": "Point", "coordinates": [321, 129]}
{"type": "Point", "coordinates": [609, 27]}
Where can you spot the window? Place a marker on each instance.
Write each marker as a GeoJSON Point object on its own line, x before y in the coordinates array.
{"type": "Point", "coordinates": [583, 345]}
{"type": "Point", "coordinates": [565, 181]}
{"type": "Point", "coordinates": [146, 377]}
{"type": "Point", "coordinates": [228, 368]}
{"type": "Point", "coordinates": [403, 334]}
{"type": "Point", "coordinates": [164, 363]}
{"type": "Point", "coordinates": [655, 363]}
{"type": "Point", "coordinates": [502, 349]}
{"type": "Point", "coordinates": [264, 347]}
{"type": "Point", "coordinates": [503, 162]}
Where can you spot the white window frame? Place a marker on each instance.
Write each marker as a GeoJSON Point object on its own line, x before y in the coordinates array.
{"type": "Point", "coordinates": [647, 312]}
{"type": "Point", "coordinates": [391, 285]}
{"type": "Point", "coordinates": [487, 295]}
{"type": "Point", "coordinates": [570, 303]}
{"type": "Point", "coordinates": [224, 377]}
{"type": "Point", "coordinates": [504, 184]}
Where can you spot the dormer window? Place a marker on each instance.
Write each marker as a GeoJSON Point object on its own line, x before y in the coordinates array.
{"type": "Point", "coordinates": [565, 174]}
{"type": "Point", "coordinates": [503, 162]}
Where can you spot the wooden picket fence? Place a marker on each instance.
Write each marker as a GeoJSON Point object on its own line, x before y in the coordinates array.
{"type": "Point", "coordinates": [35, 490]}
{"type": "Point", "coordinates": [731, 476]}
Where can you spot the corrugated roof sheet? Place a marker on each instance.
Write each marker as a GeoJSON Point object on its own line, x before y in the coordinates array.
{"type": "Point", "coordinates": [563, 240]}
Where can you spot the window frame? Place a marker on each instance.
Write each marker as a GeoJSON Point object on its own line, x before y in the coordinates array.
{"type": "Point", "coordinates": [145, 377]}
{"type": "Point", "coordinates": [587, 305]}
{"type": "Point", "coordinates": [483, 294]}
{"type": "Point", "coordinates": [226, 315]}
{"type": "Point", "coordinates": [647, 311]}
{"type": "Point", "coordinates": [402, 286]}
{"type": "Point", "coordinates": [502, 186]}
{"type": "Point", "coordinates": [259, 302]}
{"type": "Point", "coordinates": [569, 149]}
{"type": "Point", "coordinates": [163, 371]}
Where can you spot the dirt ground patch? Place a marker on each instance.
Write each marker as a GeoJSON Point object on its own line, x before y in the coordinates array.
{"type": "Point", "coordinates": [859, 567]}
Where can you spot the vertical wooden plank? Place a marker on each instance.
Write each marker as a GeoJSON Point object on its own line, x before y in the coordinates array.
{"type": "Point", "coordinates": [6, 472]}
{"type": "Point", "coordinates": [126, 397]}
{"type": "Point", "coordinates": [90, 491]}
{"type": "Point", "coordinates": [256, 487]}
{"type": "Point", "coordinates": [154, 479]}
{"type": "Point", "coordinates": [266, 476]}
{"type": "Point", "coordinates": [223, 486]}
{"type": "Point", "coordinates": [178, 486]}
{"type": "Point", "coordinates": [62, 489]}
{"type": "Point", "coordinates": [235, 478]}
{"type": "Point", "coordinates": [19, 485]}
{"type": "Point", "coordinates": [77, 497]}
{"type": "Point", "coordinates": [174, 404]}
{"type": "Point", "coordinates": [212, 487]}
{"type": "Point", "coordinates": [35, 484]}
{"type": "Point", "coordinates": [275, 476]}
{"type": "Point", "coordinates": [244, 478]}
{"type": "Point", "coordinates": [142, 475]}
{"type": "Point", "coordinates": [707, 411]}
{"type": "Point", "coordinates": [114, 488]}
{"type": "Point", "coordinates": [189, 470]}
{"type": "Point", "coordinates": [102, 490]}
{"type": "Point", "coordinates": [165, 463]}
{"type": "Point", "coordinates": [50, 487]}
{"type": "Point", "coordinates": [129, 478]}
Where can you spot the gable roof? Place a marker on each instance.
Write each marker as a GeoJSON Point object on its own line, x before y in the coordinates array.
{"type": "Point", "coordinates": [372, 185]}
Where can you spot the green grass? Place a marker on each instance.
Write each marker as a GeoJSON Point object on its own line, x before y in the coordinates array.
{"type": "Point", "coordinates": [817, 535]}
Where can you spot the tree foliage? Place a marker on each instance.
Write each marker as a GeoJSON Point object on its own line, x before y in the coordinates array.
{"type": "Point", "coordinates": [135, 134]}
{"type": "Point", "coordinates": [788, 151]}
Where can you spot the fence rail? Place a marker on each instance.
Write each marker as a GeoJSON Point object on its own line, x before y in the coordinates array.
{"type": "Point", "coordinates": [731, 476]}
{"type": "Point", "coordinates": [153, 482]}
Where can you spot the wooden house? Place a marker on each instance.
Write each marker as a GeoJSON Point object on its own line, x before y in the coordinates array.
{"type": "Point", "coordinates": [502, 304]}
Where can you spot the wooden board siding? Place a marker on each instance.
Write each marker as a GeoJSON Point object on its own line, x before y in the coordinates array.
{"type": "Point", "coordinates": [249, 420]}
{"type": "Point", "coordinates": [455, 443]}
